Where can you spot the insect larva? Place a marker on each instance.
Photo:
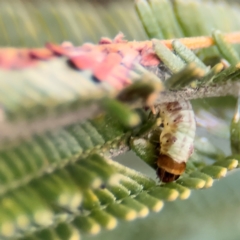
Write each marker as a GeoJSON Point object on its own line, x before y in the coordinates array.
{"type": "Point", "coordinates": [176, 139]}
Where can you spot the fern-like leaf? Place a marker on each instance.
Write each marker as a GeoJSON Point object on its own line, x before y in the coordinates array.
{"type": "Point", "coordinates": [57, 176]}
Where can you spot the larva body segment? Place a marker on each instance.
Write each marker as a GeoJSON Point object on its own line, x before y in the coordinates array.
{"type": "Point", "coordinates": [176, 139]}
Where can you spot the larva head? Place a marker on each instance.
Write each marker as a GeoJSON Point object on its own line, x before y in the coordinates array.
{"type": "Point", "coordinates": [168, 169]}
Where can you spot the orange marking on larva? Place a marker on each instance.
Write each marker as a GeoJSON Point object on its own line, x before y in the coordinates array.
{"type": "Point", "coordinates": [168, 169]}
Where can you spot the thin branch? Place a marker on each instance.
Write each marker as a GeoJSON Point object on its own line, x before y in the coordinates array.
{"type": "Point", "coordinates": [114, 152]}
{"type": "Point", "coordinates": [50, 49]}
{"type": "Point", "coordinates": [230, 88]}
{"type": "Point", "coordinates": [24, 129]}
{"type": "Point", "coordinates": [189, 42]}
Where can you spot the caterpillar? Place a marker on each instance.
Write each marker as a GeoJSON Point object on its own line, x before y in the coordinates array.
{"type": "Point", "coordinates": [176, 139]}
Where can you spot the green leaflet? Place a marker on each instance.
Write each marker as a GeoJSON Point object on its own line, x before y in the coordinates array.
{"type": "Point", "coordinates": [28, 93]}
{"type": "Point", "coordinates": [193, 18]}
{"type": "Point", "coordinates": [174, 63]}
{"type": "Point", "coordinates": [225, 49]}
{"type": "Point", "coordinates": [122, 112]}
{"type": "Point", "coordinates": [195, 73]}
{"type": "Point", "coordinates": [58, 184]}
{"type": "Point", "coordinates": [128, 207]}
{"type": "Point", "coordinates": [40, 98]}
{"type": "Point", "coordinates": [162, 10]}
{"type": "Point", "coordinates": [150, 22]}
{"type": "Point", "coordinates": [187, 55]}
{"type": "Point", "coordinates": [184, 77]}
{"type": "Point", "coordinates": [53, 150]}
{"type": "Point", "coordinates": [234, 131]}
{"type": "Point", "coordinates": [75, 21]}
{"type": "Point", "coordinates": [146, 150]}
